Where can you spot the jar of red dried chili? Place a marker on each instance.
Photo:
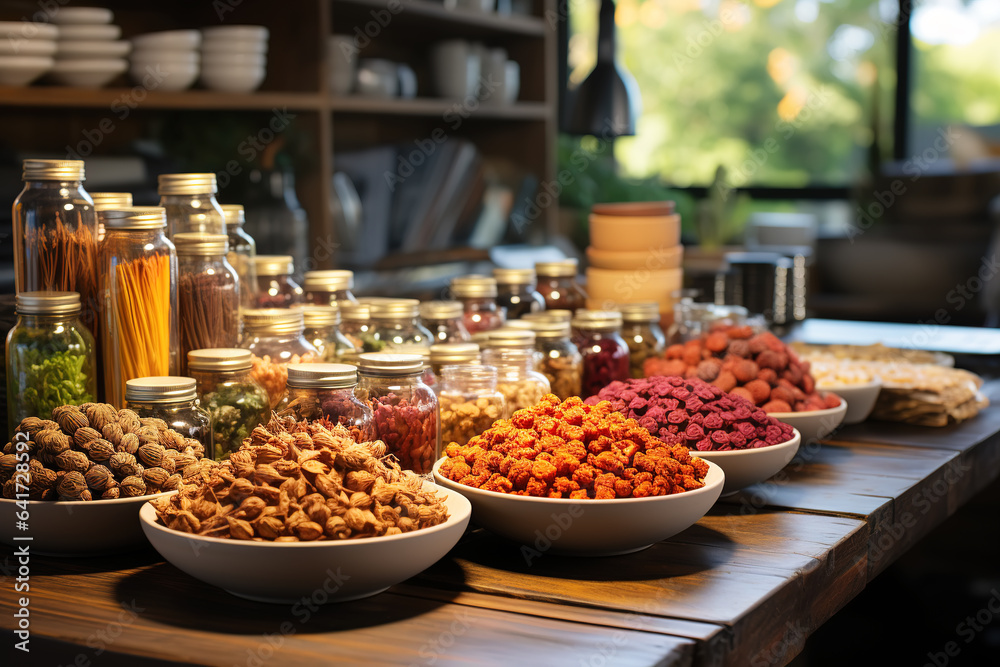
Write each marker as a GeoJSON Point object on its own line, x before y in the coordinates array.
{"type": "Point", "coordinates": [405, 409]}
{"type": "Point", "coordinates": [478, 295]}
{"type": "Point", "coordinates": [597, 334]}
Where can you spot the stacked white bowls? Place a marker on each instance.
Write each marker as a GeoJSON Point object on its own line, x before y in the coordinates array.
{"type": "Point", "coordinates": [167, 60]}
{"type": "Point", "coordinates": [26, 51]}
{"type": "Point", "coordinates": [234, 58]}
{"type": "Point", "coordinates": [89, 54]}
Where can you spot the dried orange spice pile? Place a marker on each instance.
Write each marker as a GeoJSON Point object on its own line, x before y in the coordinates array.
{"type": "Point", "coordinates": [573, 450]}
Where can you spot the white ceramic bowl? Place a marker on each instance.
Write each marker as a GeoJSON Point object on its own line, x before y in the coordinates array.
{"type": "Point", "coordinates": [85, 49]}
{"type": "Point", "coordinates": [860, 398]}
{"type": "Point", "coordinates": [27, 47]}
{"type": "Point", "coordinates": [169, 78]}
{"type": "Point", "coordinates": [589, 527]}
{"type": "Point", "coordinates": [242, 46]}
{"type": "Point", "coordinates": [82, 15]}
{"type": "Point", "coordinates": [228, 58]}
{"type": "Point", "coordinates": [233, 78]}
{"type": "Point", "coordinates": [87, 73]}
{"type": "Point", "coordinates": [90, 32]}
{"type": "Point", "coordinates": [238, 32]}
{"type": "Point", "coordinates": [76, 528]}
{"type": "Point", "coordinates": [744, 467]}
{"type": "Point", "coordinates": [17, 31]}
{"type": "Point", "coordinates": [22, 70]}
{"type": "Point", "coordinates": [165, 57]}
{"type": "Point", "coordinates": [173, 40]}
{"type": "Point", "coordinates": [814, 424]}
{"type": "Point", "coordinates": [286, 572]}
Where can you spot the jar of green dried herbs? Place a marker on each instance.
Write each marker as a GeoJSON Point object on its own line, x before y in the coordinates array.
{"type": "Point", "coordinates": [50, 356]}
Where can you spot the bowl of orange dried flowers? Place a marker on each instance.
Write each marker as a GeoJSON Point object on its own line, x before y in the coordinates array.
{"type": "Point", "coordinates": [303, 511]}
{"type": "Point", "coordinates": [577, 479]}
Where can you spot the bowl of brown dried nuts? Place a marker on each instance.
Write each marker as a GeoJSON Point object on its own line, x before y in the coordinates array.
{"type": "Point", "coordinates": [302, 510]}
{"type": "Point", "coordinates": [73, 485]}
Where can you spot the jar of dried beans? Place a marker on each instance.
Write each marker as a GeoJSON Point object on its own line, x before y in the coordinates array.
{"type": "Point", "coordinates": [444, 320]}
{"type": "Point", "coordinates": [397, 326]}
{"type": "Point", "coordinates": [139, 269]}
{"type": "Point", "coordinates": [478, 295]}
{"type": "Point", "coordinates": [208, 293]}
{"type": "Point", "coordinates": [517, 379]}
{"type": "Point", "coordinates": [470, 402]}
{"type": "Point", "coordinates": [558, 359]}
{"type": "Point", "coordinates": [275, 286]}
{"type": "Point", "coordinates": [190, 203]}
{"type": "Point", "coordinates": [323, 331]}
{"type": "Point", "coordinates": [642, 333]}
{"type": "Point", "coordinates": [405, 409]}
{"type": "Point", "coordinates": [328, 288]}
{"type": "Point", "coordinates": [275, 338]}
{"type": "Point", "coordinates": [242, 251]}
{"type": "Point", "coordinates": [326, 391]}
{"type": "Point", "coordinates": [557, 283]}
{"type": "Point", "coordinates": [449, 354]}
{"type": "Point", "coordinates": [235, 401]}
{"type": "Point", "coordinates": [597, 335]}
{"type": "Point", "coordinates": [174, 401]}
{"type": "Point", "coordinates": [517, 293]}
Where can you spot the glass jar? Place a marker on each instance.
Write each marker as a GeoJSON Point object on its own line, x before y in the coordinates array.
{"type": "Point", "coordinates": [694, 319]}
{"type": "Point", "coordinates": [51, 360]}
{"type": "Point", "coordinates": [469, 402]}
{"type": "Point", "coordinates": [521, 385]}
{"type": "Point", "coordinates": [108, 200]}
{"type": "Point", "coordinates": [510, 338]}
{"type": "Point", "coordinates": [517, 293]}
{"type": "Point", "coordinates": [642, 333]}
{"type": "Point", "coordinates": [236, 403]}
{"type": "Point", "coordinates": [557, 314]}
{"type": "Point", "coordinates": [189, 200]}
{"type": "Point", "coordinates": [328, 288]}
{"type": "Point", "coordinates": [323, 331]}
{"type": "Point", "coordinates": [558, 359]}
{"type": "Point", "coordinates": [405, 409]}
{"type": "Point", "coordinates": [358, 328]}
{"type": "Point", "coordinates": [397, 326]}
{"type": "Point", "coordinates": [242, 250]}
{"type": "Point", "coordinates": [326, 391]}
{"type": "Point", "coordinates": [597, 335]}
{"type": "Point", "coordinates": [275, 338]}
{"type": "Point", "coordinates": [275, 287]}
{"type": "Point", "coordinates": [139, 289]}
{"type": "Point", "coordinates": [452, 354]}
{"type": "Point", "coordinates": [208, 294]}
{"type": "Point", "coordinates": [478, 295]}
{"type": "Point", "coordinates": [55, 237]}
{"type": "Point", "coordinates": [174, 400]}
{"type": "Point", "coordinates": [444, 320]}
{"type": "Point", "coordinates": [558, 285]}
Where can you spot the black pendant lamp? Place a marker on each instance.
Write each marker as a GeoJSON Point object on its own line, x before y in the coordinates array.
{"type": "Point", "coordinates": [607, 103]}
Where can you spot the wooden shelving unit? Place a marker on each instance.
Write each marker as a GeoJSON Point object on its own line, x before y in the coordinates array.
{"type": "Point", "coordinates": [50, 118]}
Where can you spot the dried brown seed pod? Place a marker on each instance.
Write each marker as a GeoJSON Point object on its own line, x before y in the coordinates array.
{"type": "Point", "coordinates": [30, 425]}
{"type": "Point", "coordinates": [52, 441]}
{"type": "Point", "coordinates": [148, 434]}
{"type": "Point", "coordinates": [171, 439]}
{"type": "Point", "coordinates": [129, 443]}
{"type": "Point", "coordinates": [70, 418]}
{"type": "Point", "coordinates": [10, 489]}
{"type": "Point", "coordinates": [8, 463]}
{"type": "Point", "coordinates": [111, 493]}
{"type": "Point", "coordinates": [270, 527]}
{"type": "Point", "coordinates": [155, 476]}
{"type": "Point", "coordinates": [84, 436]}
{"type": "Point", "coordinates": [155, 422]}
{"type": "Point", "coordinates": [73, 461]}
{"type": "Point", "coordinates": [240, 529]}
{"type": "Point", "coordinates": [113, 433]}
{"type": "Point", "coordinates": [251, 508]}
{"type": "Point", "coordinates": [72, 486]}
{"type": "Point", "coordinates": [173, 483]}
{"type": "Point", "coordinates": [132, 486]}
{"type": "Point", "coordinates": [167, 463]}
{"type": "Point", "coordinates": [308, 531]}
{"type": "Point", "coordinates": [101, 450]}
{"type": "Point", "coordinates": [100, 414]}
{"type": "Point", "coordinates": [185, 521]}
{"type": "Point", "coordinates": [124, 464]}
{"type": "Point", "coordinates": [150, 454]}
{"type": "Point", "coordinates": [99, 478]}
{"type": "Point", "coordinates": [129, 421]}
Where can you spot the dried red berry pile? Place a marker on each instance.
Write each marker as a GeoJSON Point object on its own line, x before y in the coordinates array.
{"type": "Point", "coordinates": [757, 367]}
{"type": "Point", "coordinates": [573, 450]}
{"type": "Point", "coordinates": [694, 413]}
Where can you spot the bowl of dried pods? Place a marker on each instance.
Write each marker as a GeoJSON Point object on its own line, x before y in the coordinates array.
{"type": "Point", "coordinates": [74, 483]}
{"type": "Point", "coordinates": [302, 510]}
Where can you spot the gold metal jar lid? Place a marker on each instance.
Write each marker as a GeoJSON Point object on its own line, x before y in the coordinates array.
{"type": "Point", "coordinates": [557, 269]}
{"type": "Point", "coordinates": [441, 310]}
{"type": "Point", "coordinates": [392, 309]}
{"type": "Point", "coordinates": [510, 338]}
{"type": "Point", "coordinates": [597, 320]}
{"type": "Point", "coordinates": [333, 280]}
{"type": "Point", "coordinates": [515, 276]}
{"type": "Point", "coordinates": [558, 315]}
{"type": "Point", "coordinates": [219, 359]}
{"type": "Point", "coordinates": [233, 214]}
{"type": "Point", "coordinates": [274, 265]}
{"type": "Point", "coordinates": [274, 321]}
{"type": "Point", "coordinates": [162, 389]}
{"type": "Point", "coordinates": [385, 363]}
{"type": "Point", "coordinates": [321, 316]}
{"type": "Point", "coordinates": [473, 286]}
{"type": "Point", "coordinates": [454, 353]}
{"type": "Point", "coordinates": [106, 200]}
{"type": "Point", "coordinates": [202, 245]}
{"type": "Point", "coordinates": [135, 217]}
{"type": "Point", "coordinates": [322, 376]}
{"type": "Point", "coordinates": [640, 312]}
{"type": "Point", "coordinates": [52, 170]}
{"type": "Point", "coordinates": [47, 303]}
{"type": "Point", "coordinates": [543, 328]}
{"type": "Point", "coordinates": [356, 312]}
{"type": "Point", "coordinates": [187, 184]}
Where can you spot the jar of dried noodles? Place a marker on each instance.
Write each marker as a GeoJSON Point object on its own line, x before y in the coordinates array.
{"type": "Point", "coordinates": [275, 338]}
{"type": "Point", "coordinates": [189, 200]}
{"type": "Point", "coordinates": [139, 268]}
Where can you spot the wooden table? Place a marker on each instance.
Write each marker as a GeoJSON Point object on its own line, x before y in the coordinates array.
{"type": "Point", "coordinates": [745, 586]}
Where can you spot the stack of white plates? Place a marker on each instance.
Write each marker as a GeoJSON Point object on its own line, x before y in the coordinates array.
{"type": "Point", "coordinates": [234, 58]}
{"type": "Point", "coordinates": [166, 60]}
{"type": "Point", "coordinates": [26, 51]}
{"type": "Point", "coordinates": [89, 53]}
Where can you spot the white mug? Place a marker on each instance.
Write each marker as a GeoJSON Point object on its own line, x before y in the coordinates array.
{"type": "Point", "coordinates": [342, 55]}
{"type": "Point", "coordinates": [455, 67]}
{"type": "Point", "coordinates": [492, 76]}
{"type": "Point", "coordinates": [511, 81]}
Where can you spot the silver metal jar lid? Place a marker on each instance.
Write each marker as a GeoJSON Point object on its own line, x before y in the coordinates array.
{"type": "Point", "coordinates": [557, 269]}
{"type": "Point", "coordinates": [219, 359]}
{"type": "Point", "coordinates": [162, 389]}
{"type": "Point", "coordinates": [385, 363]}
{"type": "Point", "coordinates": [274, 265]}
{"type": "Point", "coordinates": [135, 217]}
{"type": "Point", "coordinates": [333, 280]}
{"type": "Point", "coordinates": [106, 200]}
{"type": "Point", "coordinates": [52, 170]}
{"type": "Point", "coordinates": [473, 286]}
{"type": "Point", "coordinates": [322, 376]}
{"type": "Point", "coordinates": [441, 310]}
{"type": "Point", "coordinates": [515, 276]}
{"type": "Point", "coordinates": [233, 215]}
{"type": "Point", "coordinates": [203, 245]}
{"type": "Point", "coordinates": [274, 320]}
{"type": "Point", "coordinates": [187, 184]}
{"type": "Point", "coordinates": [48, 303]}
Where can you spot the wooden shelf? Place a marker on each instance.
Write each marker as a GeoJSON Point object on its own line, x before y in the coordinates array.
{"type": "Point", "coordinates": [518, 24]}
{"type": "Point", "coordinates": [64, 97]}
{"type": "Point", "coordinates": [429, 106]}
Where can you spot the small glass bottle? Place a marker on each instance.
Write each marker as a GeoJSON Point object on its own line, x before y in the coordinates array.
{"type": "Point", "coordinates": [323, 331]}
{"type": "Point", "coordinates": [235, 401]}
{"type": "Point", "coordinates": [208, 294]}
{"type": "Point", "coordinates": [557, 283]}
{"type": "Point", "coordinates": [558, 359]}
{"type": "Point", "coordinates": [328, 288]}
{"type": "Point", "coordinates": [478, 295]}
{"type": "Point", "coordinates": [138, 265]}
{"type": "Point", "coordinates": [275, 286]}
{"type": "Point", "coordinates": [642, 333]}
{"type": "Point", "coordinates": [174, 400]}
{"type": "Point", "coordinates": [108, 200]}
{"type": "Point", "coordinates": [469, 402]}
{"type": "Point", "coordinates": [405, 409]}
{"type": "Point", "coordinates": [357, 326]}
{"type": "Point", "coordinates": [597, 334]}
{"type": "Point", "coordinates": [397, 326]}
{"type": "Point", "coordinates": [189, 200]}
{"type": "Point", "coordinates": [275, 338]}
{"type": "Point", "coordinates": [242, 250]}
{"type": "Point", "coordinates": [521, 385]}
{"type": "Point", "coordinates": [444, 320]}
{"type": "Point", "coordinates": [517, 293]}
{"type": "Point", "coordinates": [326, 391]}
{"type": "Point", "coordinates": [51, 359]}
